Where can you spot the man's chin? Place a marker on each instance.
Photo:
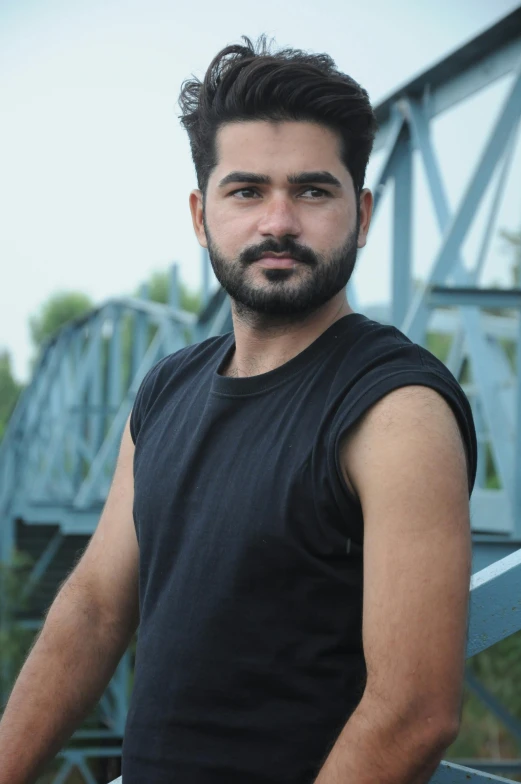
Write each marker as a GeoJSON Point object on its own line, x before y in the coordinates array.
{"type": "Point", "coordinates": [274, 308]}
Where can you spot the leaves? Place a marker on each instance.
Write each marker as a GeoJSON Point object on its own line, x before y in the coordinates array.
{"type": "Point", "coordinates": [9, 391]}
{"type": "Point", "coordinates": [57, 311]}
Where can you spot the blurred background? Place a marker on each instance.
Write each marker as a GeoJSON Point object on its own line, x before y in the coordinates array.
{"type": "Point", "coordinates": [95, 176]}
{"type": "Point", "coordinates": [96, 169]}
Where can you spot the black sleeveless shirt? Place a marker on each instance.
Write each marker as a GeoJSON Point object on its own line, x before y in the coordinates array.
{"type": "Point", "coordinates": [249, 658]}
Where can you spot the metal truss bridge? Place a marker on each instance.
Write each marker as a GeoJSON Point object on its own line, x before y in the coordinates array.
{"type": "Point", "coordinates": [58, 454]}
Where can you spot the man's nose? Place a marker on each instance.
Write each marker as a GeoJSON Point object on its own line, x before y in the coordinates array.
{"type": "Point", "coordinates": [280, 217]}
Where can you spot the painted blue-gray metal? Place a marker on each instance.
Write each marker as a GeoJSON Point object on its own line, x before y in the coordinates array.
{"type": "Point", "coordinates": [482, 441]}
{"type": "Point", "coordinates": [115, 381]}
{"type": "Point", "coordinates": [491, 765]}
{"type": "Point", "coordinates": [42, 564]}
{"type": "Point", "coordinates": [140, 333]}
{"type": "Point", "coordinates": [472, 67]}
{"type": "Point", "coordinates": [77, 759]}
{"type": "Point", "coordinates": [456, 355]}
{"type": "Point", "coordinates": [450, 296]}
{"type": "Point", "coordinates": [119, 687]}
{"type": "Point", "coordinates": [74, 760]}
{"type": "Point", "coordinates": [221, 322]}
{"type": "Point", "coordinates": [387, 166]}
{"type": "Point", "coordinates": [52, 444]}
{"type": "Point", "coordinates": [451, 773]}
{"type": "Point", "coordinates": [114, 702]}
{"type": "Point", "coordinates": [205, 276]}
{"type": "Point", "coordinates": [517, 442]}
{"type": "Point", "coordinates": [507, 719]}
{"type": "Point", "coordinates": [402, 228]}
{"type": "Point", "coordinates": [174, 297]}
{"type": "Point", "coordinates": [495, 608]}
{"type": "Point", "coordinates": [416, 321]}
{"type": "Point", "coordinates": [493, 373]}
{"type": "Point", "coordinates": [491, 510]}
{"type": "Point", "coordinates": [96, 484]}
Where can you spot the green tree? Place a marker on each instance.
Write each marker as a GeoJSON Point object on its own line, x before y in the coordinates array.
{"type": "Point", "coordinates": [57, 311]}
{"type": "Point", "coordinates": [9, 391]}
{"type": "Point", "coordinates": [14, 640]}
{"type": "Point", "coordinates": [159, 287]}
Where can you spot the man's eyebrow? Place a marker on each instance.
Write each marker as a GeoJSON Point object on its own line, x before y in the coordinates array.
{"type": "Point", "coordinates": [302, 178]}
{"type": "Point", "coordinates": [242, 176]}
{"type": "Point", "coordinates": [322, 177]}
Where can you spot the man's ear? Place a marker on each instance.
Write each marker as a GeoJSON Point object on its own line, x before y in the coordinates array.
{"type": "Point", "coordinates": [366, 211]}
{"type": "Point", "coordinates": [196, 209]}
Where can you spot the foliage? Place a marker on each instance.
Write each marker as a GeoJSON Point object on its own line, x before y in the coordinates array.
{"type": "Point", "coordinates": [439, 344]}
{"type": "Point", "coordinates": [9, 391]}
{"type": "Point", "coordinates": [159, 288]}
{"type": "Point", "coordinates": [14, 640]}
{"type": "Point", "coordinates": [482, 734]}
{"type": "Point", "coordinates": [55, 312]}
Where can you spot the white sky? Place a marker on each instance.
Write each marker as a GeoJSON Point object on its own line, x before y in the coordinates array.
{"type": "Point", "coordinates": [96, 170]}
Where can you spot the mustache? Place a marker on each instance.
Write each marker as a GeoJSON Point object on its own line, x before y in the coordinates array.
{"type": "Point", "coordinates": [298, 252]}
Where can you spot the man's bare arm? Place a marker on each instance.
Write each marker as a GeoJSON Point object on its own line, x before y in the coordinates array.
{"type": "Point", "coordinates": [406, 462]}
{"type": "Point", "coordinates": [87, 630]}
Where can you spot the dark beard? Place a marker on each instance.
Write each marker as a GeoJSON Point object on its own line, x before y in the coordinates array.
{"type": "Point", "coordinates": [291, 292]}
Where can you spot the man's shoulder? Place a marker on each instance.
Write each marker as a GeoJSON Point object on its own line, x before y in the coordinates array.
{"type": "Point", "coordinates": [381, 363]}
{"type": "Point", "coordinates": [373, 347]}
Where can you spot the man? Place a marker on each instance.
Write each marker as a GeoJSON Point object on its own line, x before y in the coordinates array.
{"type": "Point", "coordinates": [299, 488]}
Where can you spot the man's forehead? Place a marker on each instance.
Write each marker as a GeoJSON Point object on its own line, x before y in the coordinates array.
{"type": "Point", "coordinates": [248, 144]}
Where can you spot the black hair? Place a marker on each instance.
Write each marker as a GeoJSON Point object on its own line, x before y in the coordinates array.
{"type": "Point", "coordinates": [251, 83]}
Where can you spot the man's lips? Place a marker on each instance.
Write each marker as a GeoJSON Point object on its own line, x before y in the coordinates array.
{"type": "Point", "coordinates": [280, 262]}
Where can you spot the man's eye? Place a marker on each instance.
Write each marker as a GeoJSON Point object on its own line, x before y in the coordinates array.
{"type": "Point", "coordinates": [243, 190]}
{"type": "Point", "coordinates": [318, 191]}
{"type": "Point", "coordinates": [249, 192]}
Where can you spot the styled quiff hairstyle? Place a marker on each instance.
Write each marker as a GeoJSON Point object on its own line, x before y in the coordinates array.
{"type": "Point", "coordinates": [251, 83]}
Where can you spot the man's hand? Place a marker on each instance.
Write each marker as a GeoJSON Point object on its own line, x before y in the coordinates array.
{"type": "Point", "coordinates": [406, 463]}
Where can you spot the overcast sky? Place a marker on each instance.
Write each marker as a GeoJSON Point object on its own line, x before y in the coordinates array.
{"type": "Point", "coordinates": [96, 170]}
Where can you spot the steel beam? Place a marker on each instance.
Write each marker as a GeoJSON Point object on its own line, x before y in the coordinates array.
{"type": "Point", "coordinates": [87, 492]}
{"type": "Point", "coordinates": [205, 276]}
{"type": "Point", "coordinates": [416, 321]}
{"type": "Point", "coordinates": [42, 564]}
{"type": "Point", "coordinates": [495, 609]}
{"type": "Point", "coordinates": [517, 448]}
{"type": "Point", "coordinates": [450, 773]}
{"type": "Point", "coordinates": [387, 166]}
{"type": "Point", "coordinates": [115, 355]}
{"type": "Point", "coordinates": [482, 61]}
{"type": "Point", "coordinates": [174, 292]}
{"type": "Point", "coordinates": [509, 721]}
{"type": "Point", "coordinates": [402, 229]}
{"type": "Point", "coordinates": [492, 298]}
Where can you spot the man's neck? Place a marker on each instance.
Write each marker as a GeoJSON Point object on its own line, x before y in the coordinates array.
{"type": "Point", "coordinates": [262, 345]}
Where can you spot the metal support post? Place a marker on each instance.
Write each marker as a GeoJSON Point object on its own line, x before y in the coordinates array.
{"type": "Point", "coordinates": [205, 277]}
{"type": "Point", "coordinates": [174, 291]}
{"type": "Point", "coordinates": [140, 334]}
{"type": "Point", "coordinates": [402, 229]}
